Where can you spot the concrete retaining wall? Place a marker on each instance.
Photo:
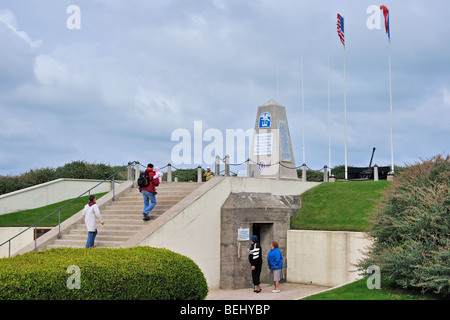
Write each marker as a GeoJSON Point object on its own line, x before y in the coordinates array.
{"type": "Point", "coordinates": [16, 244]}
{"type": "Point", "coordinates": [49, 193]}
{"type": "Point", "coordinates": [324, 257]}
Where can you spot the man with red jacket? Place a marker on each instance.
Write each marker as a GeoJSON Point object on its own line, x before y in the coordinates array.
{"type": "Point", "coordinates": [149, 193]}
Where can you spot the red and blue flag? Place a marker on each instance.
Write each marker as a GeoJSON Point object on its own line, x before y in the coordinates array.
{"type": "Point", "coordinates": [386, 20]}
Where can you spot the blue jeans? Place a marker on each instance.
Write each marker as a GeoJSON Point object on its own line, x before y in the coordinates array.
{"type": "Point", "coordinates": [149, 201]}
{"type": "Point", "coordinates": [91, 238]}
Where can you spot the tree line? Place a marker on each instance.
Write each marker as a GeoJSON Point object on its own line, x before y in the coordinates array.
{"type": "Point", "coordinates": [74, 170]}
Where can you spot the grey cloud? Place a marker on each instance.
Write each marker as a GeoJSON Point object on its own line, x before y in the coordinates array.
{"type": "Point", "coordinates": [137, 70]}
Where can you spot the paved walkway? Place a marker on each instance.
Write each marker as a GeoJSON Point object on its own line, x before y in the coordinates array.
{"type": "Point", "coordinates": [288, 291]}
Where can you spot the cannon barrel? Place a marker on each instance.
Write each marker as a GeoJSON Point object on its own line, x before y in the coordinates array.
{"type": "Point", "coordinates": [371, 158]}
{"type": "Point", "coordinates": [367, 173]}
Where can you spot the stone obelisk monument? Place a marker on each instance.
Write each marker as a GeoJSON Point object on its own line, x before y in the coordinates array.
{"type": "Point", "coordinates": [271, 154]}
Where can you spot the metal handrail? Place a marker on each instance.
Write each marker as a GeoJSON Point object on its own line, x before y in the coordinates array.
{"type": "Point", "coordinates": [64, 205]}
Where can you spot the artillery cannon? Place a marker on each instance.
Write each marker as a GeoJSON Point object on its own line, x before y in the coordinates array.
{"type": "Point", "coordinates": [368, 173]}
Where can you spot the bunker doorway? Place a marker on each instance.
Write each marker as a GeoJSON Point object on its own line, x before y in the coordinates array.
{"type": "Point", "coordinates": [264, 231]}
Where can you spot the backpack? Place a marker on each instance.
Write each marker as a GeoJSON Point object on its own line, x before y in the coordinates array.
{"type": "Point", "coordinates": [143, 180]}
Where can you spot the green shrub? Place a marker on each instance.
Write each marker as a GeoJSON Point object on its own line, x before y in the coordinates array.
{"type": "Point", "coordinates": [185, 175]}
{"type": "Point", "coordinates": [74, 170]}
{"type": "Point", "coordinates": [140, 273]}
{"type": "Point", "coordinates": [412, 229]}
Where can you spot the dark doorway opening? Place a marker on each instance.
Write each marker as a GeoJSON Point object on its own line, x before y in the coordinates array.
{"type": "Point", "coordinates": [264, 231]}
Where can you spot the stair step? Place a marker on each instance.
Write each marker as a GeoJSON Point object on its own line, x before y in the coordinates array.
{"type": "Point", "coordinates": [100, 237]}
{"type": "Point", "coordinates": [105, 232]}
{"type": "Point", "coordinates": [115, 216]}
{"type": "Point", "coordinates": [160, 193]}
{"type": "Point", "coordinates": [82, 243]}
{"type": "Point", "coordinates": [139, 205]}
{"type": "Point", "coordinates": [134, 203]}
{"type": "Point", "coordinates": [113, 212]}
{"type": "Point", "coordinates": [124, 222]}
{"type": "Point", "coordinates": [120, 226]}
{"type": "Point", "coordinates": [135, 207]}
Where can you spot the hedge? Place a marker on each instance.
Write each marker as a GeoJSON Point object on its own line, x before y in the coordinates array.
{"type": "Point", "coordinates": [140, 273]}
{"type": "Point", "coordinates": [411, 231]}
{"type": "Point", "coordinates": [74, 170]}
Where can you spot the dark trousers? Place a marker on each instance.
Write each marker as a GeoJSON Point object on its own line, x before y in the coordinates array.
{"type": "Point", "coordinates": [256, 274]}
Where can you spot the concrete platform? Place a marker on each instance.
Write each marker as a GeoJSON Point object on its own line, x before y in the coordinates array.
{"type": "Point", "coordinates": [288, 291]}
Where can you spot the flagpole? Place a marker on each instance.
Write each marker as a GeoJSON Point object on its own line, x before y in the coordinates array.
{"type": "Point", "coordinates": [390, 102]}
{"type": "Point", "coordinates": [303, 121]}
{"type": "Point", "coordinates": [388, 32]}
{"type": "Point", "coordinates": [329, 117]}
{"type": "Point", "coordinates": [345, 117]}
{"type": "Point", "coordinates": [340, 30]}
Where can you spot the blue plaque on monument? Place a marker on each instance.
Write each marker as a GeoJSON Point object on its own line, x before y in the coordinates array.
{"type": "Point", "coordinates": [264, 120]}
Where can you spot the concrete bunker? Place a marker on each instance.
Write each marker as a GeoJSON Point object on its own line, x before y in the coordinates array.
{"type": "Point", "coordinates": [242, 215]}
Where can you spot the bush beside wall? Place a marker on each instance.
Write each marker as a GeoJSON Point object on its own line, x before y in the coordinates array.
{"type": "Point", "coordinates": [412, 229]}
{"type": "Point", "coordinates": [140, 273]}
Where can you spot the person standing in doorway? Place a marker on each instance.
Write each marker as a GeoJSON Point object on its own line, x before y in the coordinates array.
{"type": "Point", "coordinates": [149, 192]}
{"type": "Point", "coordinates": [90, 212]}
{"type": "Point", "coordinates": [255, 258]}
{"type": "Point", "coordinates": [275, 261]}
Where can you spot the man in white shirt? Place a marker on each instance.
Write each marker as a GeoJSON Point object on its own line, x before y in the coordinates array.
{"type": "Point", "coordinates": [91, 211]}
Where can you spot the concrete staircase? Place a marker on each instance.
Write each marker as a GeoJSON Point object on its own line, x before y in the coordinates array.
{"type": "Point", "coordinates": [123, 218]}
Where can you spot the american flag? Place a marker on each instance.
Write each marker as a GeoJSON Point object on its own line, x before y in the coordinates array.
{"type": "Point", "coordinates": [340, 28]}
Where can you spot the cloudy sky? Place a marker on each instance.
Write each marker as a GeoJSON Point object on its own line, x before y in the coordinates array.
{"type": "Point", "coordinates": [117, 86]}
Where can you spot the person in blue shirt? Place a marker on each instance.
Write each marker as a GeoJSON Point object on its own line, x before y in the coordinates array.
{"type": "Point", "coordinates": [275, 261]}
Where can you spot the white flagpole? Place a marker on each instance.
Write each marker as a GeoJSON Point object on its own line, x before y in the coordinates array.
{"type": "Point", "coordinates": [303, 121]}
{"type": "Point", "coordinates": [390, 101]}
{"type": "Point", "coordinates": [345, 117]}
{"type": "Point", "coordinates": [329, 117]}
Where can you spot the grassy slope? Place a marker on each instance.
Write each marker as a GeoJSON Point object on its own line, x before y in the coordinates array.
{"type": "Point", "coordinates": [347, 206]}
{"type": "Point", "coordinates": [358, 291]}
{"type": "Point", "coordinates": [27, 217]}
{"type": "Point", "coordinates": [339, 206]}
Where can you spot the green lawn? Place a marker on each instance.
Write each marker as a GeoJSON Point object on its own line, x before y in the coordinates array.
{"type": "Point", "coordinates": [28, 217]}
{"type": "Point", "coordinates": [339, 206]}
{"type": "Point", "coordinates": [358, 291]}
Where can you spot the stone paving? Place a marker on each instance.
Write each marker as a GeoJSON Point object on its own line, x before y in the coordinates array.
{"type": "Point", "coordinates": [288, 291]}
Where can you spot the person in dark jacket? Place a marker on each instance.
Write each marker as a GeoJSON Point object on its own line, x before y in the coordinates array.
{"type": "Point", "coordinates": [275, 261]}
{"type": "Point", "coordinates": [149, 193]}
{"type": "Point", "coordinates": [255, 258]}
